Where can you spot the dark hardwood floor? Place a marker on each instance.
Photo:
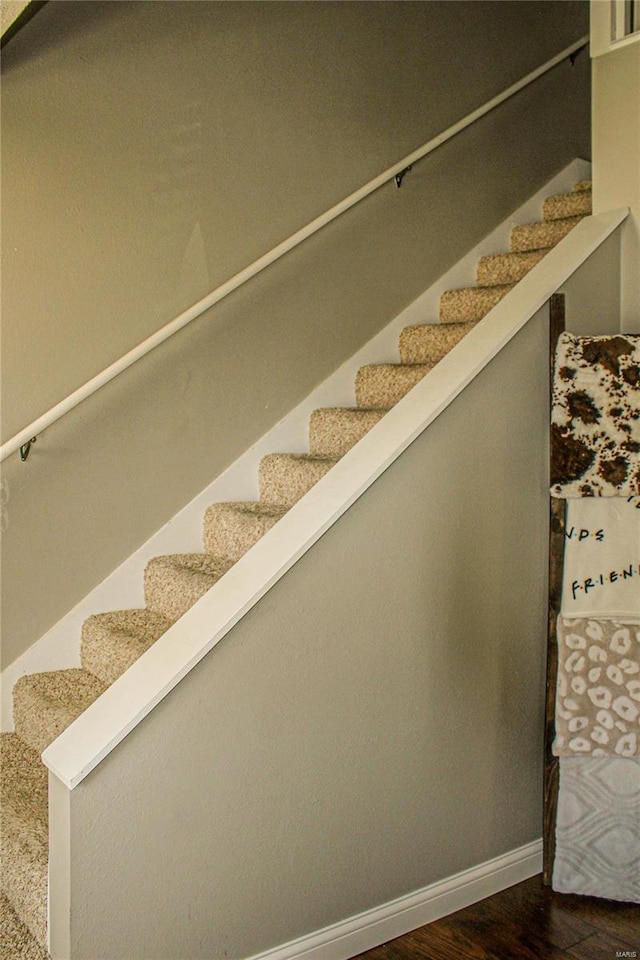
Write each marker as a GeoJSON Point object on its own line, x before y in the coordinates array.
{"type": "Point", "coordinates": [525, 922]}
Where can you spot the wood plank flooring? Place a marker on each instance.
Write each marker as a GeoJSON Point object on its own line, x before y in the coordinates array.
{"type": "Point", "coordinates": [526, 922]}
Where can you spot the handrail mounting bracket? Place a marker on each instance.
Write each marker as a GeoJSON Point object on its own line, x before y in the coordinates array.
{"type": "Point", "coordinates": [400, 176]}
{"type": "Point", "coordinates": [25, 448]}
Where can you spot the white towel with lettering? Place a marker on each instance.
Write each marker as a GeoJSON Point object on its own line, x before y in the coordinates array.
{"type": "Point", "coordinates": [601, 575]}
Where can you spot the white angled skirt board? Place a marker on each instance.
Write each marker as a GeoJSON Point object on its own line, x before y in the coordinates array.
{"type": "Point", "coordinates": [598, 701]}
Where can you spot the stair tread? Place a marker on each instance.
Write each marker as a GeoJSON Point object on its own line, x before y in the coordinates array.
{"type": "Point", "coordinates": [478, 293]}
{"type": "Point", "coordinates": [249, 508]}
{"type": "Point", "coordinates": [334, 430]}
{"type": "Point", "coordinates": [428, 343]}
{"type": "Point", "coordinates": [24, 838]}
{"type": "Point", "coordinates": [583, 185]}
{"type": "Point", "coordinates": [232, 528]}
{"type": "Point", "coordinates": [114, 640]}
{"type": "Point", "coordinates": [191, 564]}
{"type": "Point", "coordinates": [303, 460]}
{"type": "Point", "coordinates": [394, 368]}
{"type": "Point", "coordinates": [298, 457]}
{"type": "Point", "coordinates": [45, 704]}
{"type": "Point", "coordinates": [347, 412]}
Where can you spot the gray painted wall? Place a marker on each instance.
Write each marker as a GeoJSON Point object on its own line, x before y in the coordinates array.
{"type": "Point", "coordinates": [372, 725]}
{"type": "Point", "coordinates": [152, 149]}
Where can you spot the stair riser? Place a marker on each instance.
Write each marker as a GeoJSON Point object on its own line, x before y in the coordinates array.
{"type": "Point", "coordinates": [112, 642]}
{"type": "Point", "coordinates": [283, 481]}
{"type": "Point", "coordinates": [432, 342]}
{"type": "Point", "coordinates": [506, 268]}
{"type": "Point", "coordinates": [25, 883]}
{"type": "Point", "coordinates": [466, 306]}
{"type": "Point", "coordinates": [110, 657]}
{"type": "Point", "coordinates": [50, 723]}
{"type": "Point", "coordinates": [44, 705]}
{"type": "Point", "coordinates": [332, 433]}
{"type": "Point", "coordinates": [386, 384]}
{"type": "Point", "coordinates": [168, 592]}
{"type": "Point", "coordinates": [109, 654]}
{"type": "Point", "coordinates": [575, 204]}
{"type": "Point", "coordinates": [24, 835]}
{"type": "Point", "coordinates": [231, 533]}
{"type": "Point", "coordinates": [543, 235]}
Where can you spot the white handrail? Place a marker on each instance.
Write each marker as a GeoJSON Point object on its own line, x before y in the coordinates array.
{"type": "Point", "coordinates": [109, 373]}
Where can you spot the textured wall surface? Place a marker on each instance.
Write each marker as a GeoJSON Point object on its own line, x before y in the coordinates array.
{"type": "Point", "coordinates": [371, 726]}
{"type": "Point", "coordinates": [150, 150]}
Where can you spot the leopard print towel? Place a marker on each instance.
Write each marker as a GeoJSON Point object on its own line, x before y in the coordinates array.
{"type": "Point", "coordinates": [595, 420]}
{"type": "Point", "coordinates": [598, 688]}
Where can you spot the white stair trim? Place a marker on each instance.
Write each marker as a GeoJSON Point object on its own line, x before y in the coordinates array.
{"type": "Point", "coordinates": [367, 930]}
{"type": "Point", "coordinates": [59, 648]}
{"type": "Point", "coordinates": [90, 738]}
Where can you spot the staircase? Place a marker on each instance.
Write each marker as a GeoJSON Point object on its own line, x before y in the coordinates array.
{"type": "Point", "coordinates": [45, 704]}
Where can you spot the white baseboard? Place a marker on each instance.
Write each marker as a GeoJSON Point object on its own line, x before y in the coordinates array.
{"type": "Point", "coordinates": [59, 648]}
{"type": "Point", "coordinates": [367, 930]}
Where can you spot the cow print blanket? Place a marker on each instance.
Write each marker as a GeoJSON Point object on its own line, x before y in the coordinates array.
{"type": "Point", "coordinates": [595, 418]}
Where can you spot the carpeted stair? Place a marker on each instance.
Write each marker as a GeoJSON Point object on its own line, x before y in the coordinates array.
{"type": "Point", "coordinates": [46, 703]}
{"type": "Point", "coordinates": [24, 845]}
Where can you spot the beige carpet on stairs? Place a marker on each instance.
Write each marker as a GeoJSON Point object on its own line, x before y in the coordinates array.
{"type": "Point", "coordinates": [16, 941]}
{"type": "Point", "coordinates": [46, 703]}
